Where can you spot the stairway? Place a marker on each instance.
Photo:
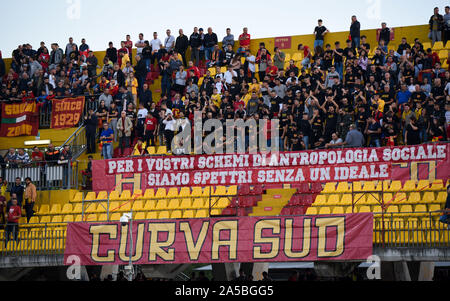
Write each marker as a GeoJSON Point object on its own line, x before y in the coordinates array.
{"type": "Point", "coordinates": [273, 202]}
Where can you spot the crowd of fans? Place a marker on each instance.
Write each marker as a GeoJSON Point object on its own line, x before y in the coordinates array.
{"type": "Point", "coordinates": [337, 95]}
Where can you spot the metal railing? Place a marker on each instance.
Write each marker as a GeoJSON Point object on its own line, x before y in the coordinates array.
{"type": "Point", "coordinates": [77, 142]}
{"type": "Point", "coordinates": [51, 176]}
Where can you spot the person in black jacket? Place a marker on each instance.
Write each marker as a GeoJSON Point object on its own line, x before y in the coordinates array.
{"type": "Point", "coordinates": [91, 123]}
{"type": "Point", "coordinates": [194, 45]}
{"type": "Point", "coordinates": [146, 97]}
{"type": "Point", "coordinates": [147, 54]}
{"type": "Point", "coordinates": [355, 32]}
{"type": "Point", "coordinates": [209, 42]}
{"type": "Point", "coordinates": [385, 34]}
{"type": "Point", "coordinates": [140, 71]}
{"type": "Point", "coordinates": [181, 45]}
{"type": "Point", "coordinates": [111, 53]}
{"type": "Point", "coordinates": [436, 26]}
{"type": "Point", "coordinates": [118, 75]}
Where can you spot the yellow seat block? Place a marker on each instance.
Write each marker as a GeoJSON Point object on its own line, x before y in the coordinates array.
{"type": "Point", "coordinates": [373, 199]}
{"type": "Point", "coordinates": [364, 209]}
{"type": "Point", "coordinates": [152, 215]}
{"type": "Point", "coordinates": [149, 194]}
{"type": "Point", "coordinates": [442, 197]}
{"type": "Point", "coordinates": [311, 211]}
{"type": "Point", "coordinates": [90, 196]}
{"type": "Point", "coordinates": [126, 207]}
{"type": "Point", "coordinates": [140, 216]}
{"type": "Point", "coordinates": [176, 214]}
{"type": "Point", "coordinates": [347, 200]}
{"type": "Point", "coordinates": [409, 186]}
{"type": "Point", "coordinates": [438, 45]}
{"type": "Point", "coordinates": [115, 217]}
{"type": "Point", "coordinates": [151, 150]}
{"type": "Point", "coordinates": [161, 193]}
{"type": "Point", "coordinates": [414, 198]}
{"type": "Point", "coordinates": [186, 204]}
{"type": "Point", "coordinates": [232, 190]}
{"type": "Point", "coordinates": [428, 197]}
{"type": "Point", "coordinates": [197, 192]}
{"type": "Point", "coordinates": [44, 210]}
{"type": "Point", "coordinates": [423, 185]}
{"type": "Point", "coordinates": [162, 205]}
{"type": "Point", "coordinates": [77, 209]}
{"type": "Point", "coordinates": [338, 210]}
{"type": "Point", "coordinates": [202, 214]}
{"type": "Point", "coordinates": [324, 211]}
{"type": "Point", "coordinates": [149, 205]}
{"type": "Point", "coordinates": [138, 205]}
{"type": "Point", "coordinates": [187, 214]}
{"type": "Point", "coordinates": [329, 188]}
{"type": "Point", "coordinates": [137, 194]}
{"type": "Point", "coordinates": [56, 220]}
{"type": "Point", "coordinates": [78, 197]}
{"type": "Point", "coordinates": [388, 198]}
{"type": "Point", "coordinates": [162, 150]}
{"type": "Point", "coordinates": [199, 204]}
{"type": "Point", "coordinates": [164, 215]}
{"type": "Point", "coordinates": [334, 199]}
{"type": "Point", "coordinates": [360, 199]}
{"type": "Point", "coordinates": [395, 186]}
{"type": "Point", "coordinates": [343, 187]}
{"type": "Point", "coordinates": [222, 203]}
{"type": "Point", "coordinates": [437, 185]}
{"type": "Point", "coordinates": [67, 209]}
{"type": "Point", "coordinates": [400, 197]}
{"type": "Point", "coordinates": [102, 217]}
{"type": "Point", "coordinates": [320, 200]}
{"type": "Point", "coordinates": [173, 193]}
{"type": "Point", "coordinates": [372, 186]}
{"type": "Point", "coordinates": [220, 191]}
{"type": "Point", "coordinates": [216, 212]}
{"type": "Point", "coordinates": [102, 195]}
{"type": "Point", "coordinates": [185, 192]}
{"type": "Point", "coordinates": [56, 209]}
{"type": "Point", "coordinates": [125, 196]}
{"type": "Point", "coordinates": [392, 209]}
{"type": "Point", "coordinates": [114, 196]}
{"type": "Point", "coordinates": [90, 208]}
{"type": "Point", "coordinates": [406, 210]}
{"type": "Point", "coordinates": [173, 204]}
{"type": "Point", "coordinates": [113, 207]}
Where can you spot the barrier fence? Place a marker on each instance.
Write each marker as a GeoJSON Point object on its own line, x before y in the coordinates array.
{"type": "Point", "coordinates": [51, 176]}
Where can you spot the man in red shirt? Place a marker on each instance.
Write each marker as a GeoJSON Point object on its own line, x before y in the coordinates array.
{"type": "Point", "coordinates": [244, 42]}
{"type": "Point", "coordinates": [306, 54]}
{"type": "Point", "coordinates": [12, 227]}
{"type": "Point", "coordinates": [193, 68]}
{"type": "Point", "coordinates": [38, 157]}
{"type": "Point", "coordinates": [271, 70]}
{"type": "Point", "coordinates": [129, 46]}
{"type": "Point", "coordinates": [150, 129]}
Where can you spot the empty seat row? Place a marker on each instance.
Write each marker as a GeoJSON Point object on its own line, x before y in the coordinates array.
{"type": "Point", "coordinates": [404, 210]}
{"type": "Point", "coordinates": [161, 193]}
{"type": "Point", "coordinates": [384, 186]}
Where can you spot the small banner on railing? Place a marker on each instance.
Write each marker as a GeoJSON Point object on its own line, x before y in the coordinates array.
{"type": "Point", "coordinates": [20, 119]}
{"type": "Point", "coordinates": [67, 112]}
{"type": "Point", "coordinates": [223, 240]}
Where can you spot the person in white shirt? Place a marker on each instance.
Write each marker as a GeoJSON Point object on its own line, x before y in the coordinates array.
{"type": "Point", "coordinates": [251, 59]}
{"type": "Point", "coordinates": [169, 131]}
{"type": "Point", "coordinates": [169, 42]}
{"type": "Point", "coordinates": [229, 75]}
{"type": "Point", "coordinates": [141, 116]}
{"type": "Point", "coordinates": [140, 43]}
{"type": "Point", "coordinates": [156, 46]}
{"type": "Point", "coordinates": [335, 142]}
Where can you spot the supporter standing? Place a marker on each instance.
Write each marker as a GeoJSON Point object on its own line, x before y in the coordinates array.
{"type": "Point", "coordinates": [91, 123]}
{"type": "Point", "coordinates": [124, 127]}
{"type": "Point", "coordinates": [17, 190]}
{"type": "Point", "coordinates": [320, 31]}
{"type": "Point", "coordinates": [436, 26]}
{"type": "Point", "coordinates": [210, 41]}
{"type": "Point", "coordinates": [30, 198]}
{"type": "Point", "coordinates": [181, 45]}
{"type": "Point", "coordinates": [194, 46]}
{"type": "Point", "coordinates": [355, 32]}
{"type": "Point", "coordinates": [12, 228]}
{"type": "Point", "coordinates": [106, 139]}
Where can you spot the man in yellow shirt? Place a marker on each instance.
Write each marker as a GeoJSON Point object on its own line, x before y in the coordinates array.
{"type": "Point", "coordinates": [216, 98]}
{"type": "Point", "coordinates": [125, 59]}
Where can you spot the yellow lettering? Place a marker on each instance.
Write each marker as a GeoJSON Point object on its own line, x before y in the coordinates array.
{"type": "Point", "coordinates": [275, 226]}
{"type": "Point", "coordinates": [324, 223]}
{"type": "Point", "coordinates": [137, 246]}
{"type": "Point", "coordinates": [156, 247]}
{"type": "Point", "coordinates": [218, 227]}
{"type": "Point", "coordinates": [96, 231]}
{"type": "Point", "coordinates": [194, 248]}
{"type": "Point", "coordinates": [288, 238]}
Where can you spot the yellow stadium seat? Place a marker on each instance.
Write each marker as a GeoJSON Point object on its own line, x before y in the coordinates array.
{"type": "Point", "coordinates": [68, 219]}
{"type": "Point", "coordinates": [338, 210]}
{"type": "Point", "coordinates": [437, 46]}
{"type": "Point", "coordinates": [174, 204]}
{"type": "Point", "coordinates": [343, 188]}
{"type": "Point", "coordinates": [115, 217]}
{"type": "Point", "coordinates": [409, 186]}
{"type": "Point", "coordinates": [44, 210]}
{"type": "Point", "coordinates": [33, 221]}
{"type": "Point", "coordinates": [208, 191]}
{"type": "Point", "coordinates": [320, 200]}
{"type": "Point", "coordinates": [222, 203]}
{"type": "Point", "coordinates": [297, 57]}
{"type": "Point", "coordinates": [324, 211]}
{"type": "Point", "coordinates": [443, 55]}
{"type": "Point", "coordinates": [395, 186]}
{"type": "Point", "coordinates": [400, 198]}
{"type": "Point", "coordinates": [149, 194]}
{"type": "Point", "coordinates": [162, 150]}
{"type": "Point", "coordinates": [434, 208]}
{"type": "Point", "coordinates": [202, 214]}
{"type": "Point", "coordinates": [447, 46]}
{"type": "Point", "coordinates": [161, 193]}
{"type": "Point", "coordinates": [102, 195]}
{"type": "Point", "coordinates": [212, 71]}
{"type": "Point", "coordinates": [426, 45]}
{"type": "Point", "coordinates": [442, 197]}
{"type": "Point", "coordinates": [437, 185]}
{"type": "Point", "coordinates": [45, 220]}
{"type": "Point", "coordinates": [114, 196]}
{"type": "Point", "coordinates": [161, 205]}
{"type": "Point", "coordinates": [414, 198]}
{"type": "Point", "coordinates": [102, 217]}
{"type": "Point", "coordinates": [216, 212]}
{"type": "Point", "coordinates": [377, 209]}
{"type": "Point", "coordinates": [349, 210]}
{"type": "Point", "coordinates": [187, 214]}
{"type": "Point", "coordinates": [423, 185]}
{"type": "Point", "coordinates": [311, 211]}
{"type": "Point", "coordinates": [392, 209]}
{"type": "Point", "coordinates": [78, 197]}
{"type": "Point", "coordinates": [197, 192]}
{"type": "Point", "coordinates": [329, 188]}
{"type": "Point", "coordinates": [164, 215]}
{"type": "Point", "coordinates": [385, 185]}
{"type": "Point", "coordinates": [137, 194]}
{"type": "Point", "coordinates": [90, 208]}
{"type": "Point", "coordinates": [388, 198]}
{"type": "Point", "coordinates": [373, 199]}
{"type": "Point", "coordinates": [152, 215]}
{"type": "Point", "coordinates": [347, 200]}
{"type": "Point", "coordinates": [151, 150]}
{"type": "Point", "coordinates": [364, 209]}
{"type": "Point", "coordinates": [372, 187]}
{"type": "Point", "coordinates": [77, 209]}
{"type": "Point", "coordinates": [139, 216]}
{"type": "Point", "coordinates": [421, 209]}
{"type": "Point", "coordinates": [176, 214]}
{"type": "Point", "coordinates": [186, 204]}
{"type": "Point", "coordinates": [113, 207]}
{"type": "Point", "coordinates": [56, 209]}
{"type": "Point", "coordinates": [357, 186]}
{"type": "Point", "coordinates": [287, 57]}
{"type": "Point", "coordinates": [428, 197]}
{"type": "Point", "coordinates": [406, 210]}
{"type": "Point", "coordinates": [56, 220]}
{"type": "Point", "coordinates": [172, 193]}
{"type": "Point", "coordinates": [90, 196]}
{"type": "Point", "coordinates": [126, 206]}
{"type": "Point", "coordinates": [185, 192]}
{"type": "Point", "coordinates": [138, 205]}
{"type": "Point", "coordinates": [220, 191]}
{"type": "Point", "coordinates": [334, 199]}
{"type": "Point", "coordinates": [149, 205]}
{"type": "Point", "coordinates": [360, 199]}
{"type": "Point", "coordinates": [199, 204]}
{"type": "Point", "coordinates": [125, 196]}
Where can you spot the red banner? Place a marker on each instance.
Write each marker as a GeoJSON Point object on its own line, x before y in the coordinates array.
{"type": "Point", "coordinates": [224, 240]}
{"type": "Point", "coordinates": [66, 113]}
{"type": "Point", "coordinates": [20, 119]}
{"type": "Point", "coordinates": [283, 42]}
{"type": "Point", "coordinates": [365, 164]}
